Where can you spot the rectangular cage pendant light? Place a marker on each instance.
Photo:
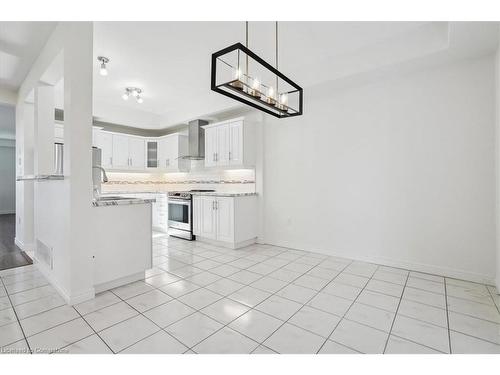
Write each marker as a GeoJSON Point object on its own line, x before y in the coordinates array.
{"type": "Point", "coordinates": [240, 74]}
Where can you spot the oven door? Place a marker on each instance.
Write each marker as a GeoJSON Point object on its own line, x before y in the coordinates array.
{"type": "Point", "coordinates": [179, 214]}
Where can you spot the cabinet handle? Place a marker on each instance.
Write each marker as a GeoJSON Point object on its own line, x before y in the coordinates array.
{"type": "Point", "coordinates": [110, 160]}
{"type": "Point", "coordinates": [213, 157]}
{"type": "Point", "coordinates": [216, 205]}
{"type": "Point", "coordinates": [213, 205]}
{"type": "Point", "coordinates": [229, 155]}
{"type": "Point", "coordinates": [216, 156]}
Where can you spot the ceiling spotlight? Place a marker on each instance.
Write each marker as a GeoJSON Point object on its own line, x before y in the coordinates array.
{"type": "Point", "coordinates": [103, 70]}
{"type": "Point", "coordinates": [133, 91]}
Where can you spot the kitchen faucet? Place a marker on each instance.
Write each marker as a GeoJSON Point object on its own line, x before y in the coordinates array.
{"type": "Point", "coordinates": [104, 176]}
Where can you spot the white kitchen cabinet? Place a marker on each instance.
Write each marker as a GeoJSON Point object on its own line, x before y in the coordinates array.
{"type": "Point", "coordinates": [236, 143]}
{"type": "Point", "coordinates": [120, 152]}
{"type": "Point", "coordinates": [152, 156]}
{"type": "Point", "coordinates": [210, 147]}
{"type": "Point", "coordinates": [230, 144]}
{"type": "Point", "coordinates": [224, 208]}
{"type": "Point", "coordinates": [171, 148]}
{"type": "Point", "coordinates": [105, 143]}
{"type": "Point", "coordinates": [136, 153]}
{"type": "Point", "coordinates": [208, 218]}
{"type": "Point", "coordinates": [225, 221]}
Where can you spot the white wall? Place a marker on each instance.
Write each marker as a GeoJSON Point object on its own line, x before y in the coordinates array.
{"type": "Point", "coordinates": [400, 171]}
{"type": "Point", "coordinates": [497, 159]}
{"type": "Point", "coordinates": [7, 179]}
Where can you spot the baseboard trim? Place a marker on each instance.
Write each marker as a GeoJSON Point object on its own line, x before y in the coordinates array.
{"type": "Point", "coordinates": [227, 245]}
{"type": "Point", "coordinates": [119, 282]}
{"type": "Point", "coordinates": [68, 298]}
{"type": "Point", "coordinates": [414, 266]}
{"type": "Point", "coordinates": [24, 247]}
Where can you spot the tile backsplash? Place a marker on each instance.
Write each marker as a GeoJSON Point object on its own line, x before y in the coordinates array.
{"type": "Point", "coordinates": [233, 180]}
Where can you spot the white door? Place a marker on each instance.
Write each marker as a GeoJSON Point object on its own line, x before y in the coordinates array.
{"type": "Point", "coordinates": [222, 151]}
{"type": "Point", "coordinates": [208, 221]}
{"type": "Point", "coordinates": [236, 143]}
{"type": "Point", "coordinates": [105, 143]}
{"type": "Point", "coordinates": [136, 153]}
{"type": "Point", "coordinates": [210, 147]}
{"type": "Point", "coordinates": [225, 219]}
{"type": "Point", "coordinates": [120, 152]}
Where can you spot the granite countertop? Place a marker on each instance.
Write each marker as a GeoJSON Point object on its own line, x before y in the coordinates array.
{"type": "Point", "coordinates": [223, 194]}
{"type": "Point", "coordinates": [121, 201]}
{"type": "Point", "coordinates": [133, 192]}
{"type": "Point", "coordinates": [40, 177]}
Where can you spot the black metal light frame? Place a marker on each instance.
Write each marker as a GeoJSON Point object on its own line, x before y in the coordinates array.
{"type": "Point", "coordinates": [252, 101]}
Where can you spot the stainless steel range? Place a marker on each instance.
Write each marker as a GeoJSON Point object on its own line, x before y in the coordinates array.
{"type": "Point", "coordinates": [180, 213]}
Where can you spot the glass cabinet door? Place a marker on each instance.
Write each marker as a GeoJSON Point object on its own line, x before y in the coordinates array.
{"type": "Point", "coordinates": [152, 154]}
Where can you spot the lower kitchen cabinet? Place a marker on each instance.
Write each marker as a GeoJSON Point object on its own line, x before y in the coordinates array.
{"type": "Point", "coordinates": [227, 221]}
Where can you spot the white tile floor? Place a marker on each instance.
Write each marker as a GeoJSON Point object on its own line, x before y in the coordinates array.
{"type": "Point", "coordinates": [261, 299]}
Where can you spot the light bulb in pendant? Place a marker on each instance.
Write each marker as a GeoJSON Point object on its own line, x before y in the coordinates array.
{"type": "Point", "coordinates": [140, 100]}
{"type": "Point", "coordinates": [284, 99]}
{"type": "Point", "coordinates": [256, 84]}
{"type": "Point", "coordinates": [237, 74]}
{"type": "Point", "coordinates": [270, 92]}
{"type": "Point", "coordinates": [125, 96]}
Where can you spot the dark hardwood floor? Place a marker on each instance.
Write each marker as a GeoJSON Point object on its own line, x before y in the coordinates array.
{"type": "Point", "coordinates": [10, 255]}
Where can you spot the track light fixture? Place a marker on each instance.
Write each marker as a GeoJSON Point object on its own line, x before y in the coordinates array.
{"type": "Point", "coordinates": [103, 69]}
{"type": "Point", "coordinates": [135, 92]}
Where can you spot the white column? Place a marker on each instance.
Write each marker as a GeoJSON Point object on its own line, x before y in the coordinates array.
{"type": "Point", "coordinates": [78, 67]}
{"type": "Point", "coordinates": [44, 130]}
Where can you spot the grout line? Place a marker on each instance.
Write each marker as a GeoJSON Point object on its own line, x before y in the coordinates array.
{"type": "Point", "coordinates": [396, 313]}
{"type": "Point", "coordinates": [343, 316]}
{"type": "Point", "coordinates": [17, 317]}
{"type": "Point", "coordinates": [92, 328]}
{"type": "Point", "coordinates": [448, 316]}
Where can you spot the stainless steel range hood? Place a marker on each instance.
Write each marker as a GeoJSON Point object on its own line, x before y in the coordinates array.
{"type": "Point", "coordinates": [196, 136]}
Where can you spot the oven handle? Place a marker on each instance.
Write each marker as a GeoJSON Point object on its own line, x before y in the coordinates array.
{"type": "Point", "coordinates": [180, 201]}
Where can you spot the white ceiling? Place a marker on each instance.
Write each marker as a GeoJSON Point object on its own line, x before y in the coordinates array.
{"type": "Point", "coordinates": [20, 45]}
{"type": "Point", "coordinates": [170, 61]}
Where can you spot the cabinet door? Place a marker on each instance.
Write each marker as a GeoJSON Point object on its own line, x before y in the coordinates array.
{"type": "Point", "coordinates": [225, 219]}
{"type": "Point", "coordinates": [236, 143]}
{"type": "Point", "coordinates": [210, 147]}
{"type": "Point", "coordinates": [152, 156]}
{"type": "Point", "coordinates": [120, 152]}
{"type": "Point", "coordinates": [173, 153]}
{"type": "Point", "coordinates": [222, 151]}
{"type": "Point", "coordinates": [208, 221]}
{"type": "Point", "coordinates": [136, 153]}
{"type": "Point", "coordinates": [166, 152]}
{"type": "Point", "coordinates": [105, 143]}
{"type": "Point", "coordinates": [197, 214]}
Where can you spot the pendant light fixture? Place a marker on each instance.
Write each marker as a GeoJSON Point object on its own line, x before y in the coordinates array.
{"type": "Point", "coordinates": [240, 74]}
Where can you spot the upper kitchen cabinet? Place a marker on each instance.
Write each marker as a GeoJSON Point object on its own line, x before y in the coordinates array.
{"type": "Point", "coordinates": [171, 148]}
{"type": "Point", "coordinates": [121, 151]}
{"type": "Point", "coordinates": [230, 143]}
{"type": "Point", "coordinates": [152, 156]}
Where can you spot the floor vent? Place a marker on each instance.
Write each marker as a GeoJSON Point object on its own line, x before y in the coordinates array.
{"type": "Point", "coordinates": [43, 254]}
